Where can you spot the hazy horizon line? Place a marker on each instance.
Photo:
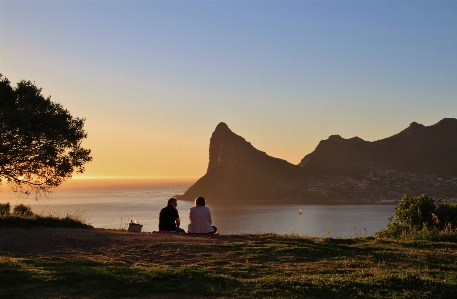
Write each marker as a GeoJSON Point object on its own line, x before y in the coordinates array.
{"type": "Point", "coordinates": [130, 178]}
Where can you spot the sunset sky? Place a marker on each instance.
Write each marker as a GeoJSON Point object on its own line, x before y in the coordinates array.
{"type": "Point", "coordinates": [154, 78]}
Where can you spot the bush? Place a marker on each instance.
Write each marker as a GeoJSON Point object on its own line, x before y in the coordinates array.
{"type": "Point", "coordinates": [5, 209]}
{"type": "Point", "coordinates": [22, 210]}
{"type": "Point", "coordinates": [446, 215]}
{"type": "Point", "coordinates": [417, 217]}
{"type": "Point", "coordinates": [23, 216]}
{"type": "Point", "coordinates": [416, 211]}
{"type": "Point", "coordinates": [39, 220]}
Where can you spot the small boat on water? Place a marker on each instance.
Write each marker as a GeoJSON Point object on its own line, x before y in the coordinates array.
{"type": "Point", "coordinates": [300, 212]}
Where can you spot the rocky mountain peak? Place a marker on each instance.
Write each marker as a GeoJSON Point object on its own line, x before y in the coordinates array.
{"type": "Point", "coordinates": [237, 169]}
{"type": "Point", "coordinates": [222, 127]}
{"type": "Point", "coordinates": [227, 148]}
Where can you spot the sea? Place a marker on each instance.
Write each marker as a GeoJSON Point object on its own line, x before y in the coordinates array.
{"type": "Point", "coordinates": [113, 206]}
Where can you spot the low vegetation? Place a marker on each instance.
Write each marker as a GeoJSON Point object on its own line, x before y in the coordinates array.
{"type": "Point", "coordinates": [262, 266]}
{"type": "Point", "coordinates": [418, 217]}
{"type": "Point", "coordinates": [22, 216]}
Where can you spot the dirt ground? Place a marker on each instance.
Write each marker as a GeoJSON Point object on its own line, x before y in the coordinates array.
{"type": "Point", "coordinates": [106, 245]}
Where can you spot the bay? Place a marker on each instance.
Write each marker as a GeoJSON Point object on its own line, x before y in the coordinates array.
{"type": "Point", "coordinates": [110, 207]}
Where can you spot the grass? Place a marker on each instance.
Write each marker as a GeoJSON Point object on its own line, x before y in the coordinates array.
{"type": "Point", "coordinates": [75, 220]}
{"type": "Point", "coordinates": [448, 234]}
{"type": "Point", "coordinates": [123, 226]}
{"type": "Point", "coordinates": [252, 266]}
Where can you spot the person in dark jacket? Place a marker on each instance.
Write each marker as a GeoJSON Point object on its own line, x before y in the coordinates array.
{"type": "Point", "coordinates": [169, 217]}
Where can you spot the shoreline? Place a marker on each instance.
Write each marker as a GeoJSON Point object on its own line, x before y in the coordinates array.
{"type": "Point", "coordinates": [295, 202]}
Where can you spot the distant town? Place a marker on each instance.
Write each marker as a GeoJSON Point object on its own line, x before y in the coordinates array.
{"type": "Point", "coordinates": [375, 185]}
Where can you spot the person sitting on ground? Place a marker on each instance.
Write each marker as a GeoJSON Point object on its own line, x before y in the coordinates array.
{"type": "Point", "coordinates": [169, 217]}
{"type": "Point", "coordinates": [200, 218]}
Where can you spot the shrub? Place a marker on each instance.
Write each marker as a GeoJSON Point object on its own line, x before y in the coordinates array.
{"type": "Point", "coordinates": [446, 215]}
{"type": "Point", "coordinates": [5, 209]}
{"type": "Point", "coordinates": [28, 219]}
{"type": "Point", "coordinates": [416, 211]}
{"type": "Point", "coordinates": [417, 217]}
{"type": "Point", "coordinates": [22, 210]}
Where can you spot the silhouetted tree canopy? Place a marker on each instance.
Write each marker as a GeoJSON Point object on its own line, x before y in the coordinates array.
{"type": "Point", "coordinates": [40, 142]}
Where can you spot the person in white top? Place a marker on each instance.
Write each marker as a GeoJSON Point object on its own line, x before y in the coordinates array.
{"type": "Point", "coordinates": [200, 218]}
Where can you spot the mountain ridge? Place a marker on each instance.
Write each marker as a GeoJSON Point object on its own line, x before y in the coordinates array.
{"type": "Point", "coordinates": [237, 170]}
{"type": "Point", "coordinates": [418, 148]}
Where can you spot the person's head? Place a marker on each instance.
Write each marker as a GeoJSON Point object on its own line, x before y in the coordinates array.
{"type": "Point", "coordinates": [200, 201]}
{"type": "Point", "coordinates": [173, 202]}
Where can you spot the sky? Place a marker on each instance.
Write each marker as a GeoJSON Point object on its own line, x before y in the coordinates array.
{"type": "Point", "coordinates": [154, 78]}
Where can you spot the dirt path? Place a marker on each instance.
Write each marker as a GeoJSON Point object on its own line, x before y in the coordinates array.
{"type": "Point", "coordinates": [108, 245]}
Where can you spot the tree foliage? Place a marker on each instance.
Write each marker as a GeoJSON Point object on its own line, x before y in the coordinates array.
{"type": "Point", "coordinates": [40, 141]}
{"type": "Point", "coordinates": [22, 210]}
{"type": "Point", "coordinates": [446, 215]}
{"type": "Point", "coordinates": [418, 215]}
{"type": "Point", "coordinates": [5, 209]}
{"type": "Point", "coordinates": [416, 211]}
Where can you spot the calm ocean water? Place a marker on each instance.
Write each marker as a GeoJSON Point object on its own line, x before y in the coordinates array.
{"type": "Point", "coordinates": [108, 207]}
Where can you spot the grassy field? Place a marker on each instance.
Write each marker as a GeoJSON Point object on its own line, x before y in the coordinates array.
{"type": "Point", "coordinates": [260, 266]}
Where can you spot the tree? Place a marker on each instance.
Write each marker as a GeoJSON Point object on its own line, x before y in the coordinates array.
{"type": "Point", "coordinates": [40, 142]}
{"type": "Point", "coordinates": [416, 211]}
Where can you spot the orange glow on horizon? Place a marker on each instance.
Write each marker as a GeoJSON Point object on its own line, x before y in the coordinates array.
{"type": "Point", "coordinates": [88, 183]}
{"type": "Point", "coordinates": [122, 182]}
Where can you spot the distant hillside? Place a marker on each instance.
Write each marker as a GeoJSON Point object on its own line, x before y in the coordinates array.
{"type": "Point", "coordinates": [238, 170]}
{"type": "Point", "coordinates": [418, 149]}
{"type": "Point", "coordinates": [417, 160]}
